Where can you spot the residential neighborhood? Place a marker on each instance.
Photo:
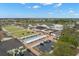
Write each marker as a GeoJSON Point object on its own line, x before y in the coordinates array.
{"type": "Point", "coordinates": [21, 39]}
{"type": "Point", "coordinates": [39, 29]}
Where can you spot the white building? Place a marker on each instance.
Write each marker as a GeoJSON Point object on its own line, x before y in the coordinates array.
{"type": "Point", "coordinates": [77, 22]}
{"type": "Point", "coordinates": [71, 25]}
{"type": "Point", "coordinates": [57, 27]}
{"type": "Point", "coordinates": [44, 26]}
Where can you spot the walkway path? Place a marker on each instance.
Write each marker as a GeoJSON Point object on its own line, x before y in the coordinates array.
{"type": "Point", "coordinates": [33, 50]}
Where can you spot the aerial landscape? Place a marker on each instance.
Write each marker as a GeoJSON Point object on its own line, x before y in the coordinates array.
{"type": "Point", "coordinates": [39, 29]}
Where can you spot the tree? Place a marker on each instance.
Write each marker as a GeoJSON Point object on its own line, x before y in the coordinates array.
{"type": "Point", "coordinates": [63, 49]}
{"type": "Point", "coordinates": [71, 40]}
{"type": "Point", "coordinates": [67, 44]}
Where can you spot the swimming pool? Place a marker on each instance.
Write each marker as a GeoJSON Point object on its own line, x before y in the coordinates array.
{"type": "Point", "coordinates": [33, 38]}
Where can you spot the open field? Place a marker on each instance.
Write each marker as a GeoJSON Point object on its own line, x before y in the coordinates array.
{"type": "Point", "coordinates": [17, 31]}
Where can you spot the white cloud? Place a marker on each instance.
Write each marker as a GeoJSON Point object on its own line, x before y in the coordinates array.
{"type": "Point", "coordinates": [23, 3]}
{"type": "Point", "coordinates": [50, 13]}
{"type": "Point", "coordinates": [29, 7]}
{"type": "Point", "coordinates": [36, 6]}
{"type": "Point", "coordinates": [76, 14]}
{"type": "Point", "coordinates": [46, 3]}
{"type": "Point", "coordinates": [72, 12]}
{"type": "Point", "coordinates": [58, 5]}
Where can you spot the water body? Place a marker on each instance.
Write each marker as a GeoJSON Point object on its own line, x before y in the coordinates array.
{"type": "Point", "coordinates": [32, 38]}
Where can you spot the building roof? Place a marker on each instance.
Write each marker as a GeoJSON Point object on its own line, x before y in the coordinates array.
{"type": "Point", "coordinates": [41, 27]}
{"type": "Point", "coordinates": [57, 27]}
{"type": "Point", "coordinates": [77, 26]}
{"type": "Point", "coordinates": [8, 45]}
{"type": "Point", "coordinates": [2, 52]}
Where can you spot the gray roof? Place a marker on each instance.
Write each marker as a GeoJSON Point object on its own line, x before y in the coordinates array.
{"type": "Point", "coordinates": [2, 52]}
{"type": "Point", "coordinates": [8, 45]}
{"type": "Point", "coordinates": [77, 26]}
{"type": "Point", "coordinates": [41, 27]}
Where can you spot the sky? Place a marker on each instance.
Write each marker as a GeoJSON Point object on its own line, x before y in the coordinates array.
{"type": "Point", "coordinates": [39, 10]}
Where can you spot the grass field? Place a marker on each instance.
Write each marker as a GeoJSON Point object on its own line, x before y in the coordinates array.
{"type": "Point", "coordinates": [17, 31]}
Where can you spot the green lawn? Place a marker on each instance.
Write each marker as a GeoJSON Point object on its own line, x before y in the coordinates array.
{"type": "Point", "coordinates": [18, 32]}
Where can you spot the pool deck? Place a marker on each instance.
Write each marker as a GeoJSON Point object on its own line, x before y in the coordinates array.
{"type": "Point", "coordinates": [35, 43]}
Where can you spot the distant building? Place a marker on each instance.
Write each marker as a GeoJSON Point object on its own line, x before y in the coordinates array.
{"type": "Point", "coordinates": [56, 33]}
{"type": "Point", "coordinates": [77, 22]}
{"type": "Point", "coordinates": [71, 25]}
{"type": "Point", "coordinates": [42, 27]}
{"type": "Point", "coordinates": [56, 27]}
{"type": "Point", "coordinates": [30, 26]}
{"type": "Point", "coordinates": [77, 26]}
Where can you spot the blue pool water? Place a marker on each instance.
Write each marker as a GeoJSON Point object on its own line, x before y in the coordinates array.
{"type": "Point", "coordinates": [32, 38]}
